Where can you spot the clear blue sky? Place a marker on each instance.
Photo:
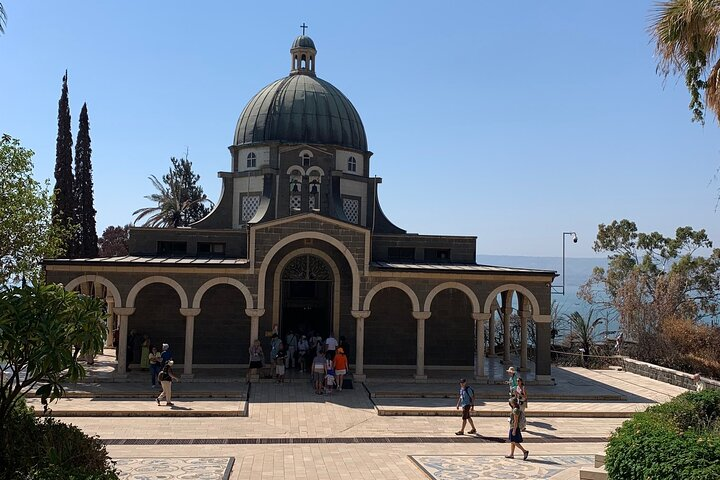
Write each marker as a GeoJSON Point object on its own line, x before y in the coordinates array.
{"type": "Point", "coordinates": [511, 121]}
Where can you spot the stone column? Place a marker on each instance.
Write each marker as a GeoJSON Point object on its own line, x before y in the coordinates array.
{"type": "Point", "coordinates": [542, 356]}
{"type": "Point", "coordinates": [524, 314]}
{"type": "Point", "coordinates": [254, 314]}
{"type": "Point", "coordinates": [123, 314]}
{"type": "Point", "coordinates": [360, 316]}
{"type": "Point", "coordinates": [420, 355]}
{"type": "Point", "coordinates": [110, 321]}
{"type": "Point", "coordinates": [491, 334]}
{"type": "Point", "coordinates": [480, 347]}
{"type": "Point", "coordinates": [507, 336]}
{"type": "Point", "coordinates": [190, 314]}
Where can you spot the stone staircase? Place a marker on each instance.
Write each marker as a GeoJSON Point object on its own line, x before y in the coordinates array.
{"type": "Point", "coordinates": [597, 472]}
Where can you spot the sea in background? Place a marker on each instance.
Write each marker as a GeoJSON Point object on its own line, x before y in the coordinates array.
{"type": "Point", "coordinates": [577, 272]}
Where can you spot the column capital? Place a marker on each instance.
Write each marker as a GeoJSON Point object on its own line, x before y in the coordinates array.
{"type": "Point", "coordinates": [190, 312]}
{"type": "Point", "coordinates": [482, 316]}
{"type": "Point", "coordinates": [360, 313]}
{"type": "Point", "coordinates": [421, 315]}
{"type": "Point", "coordinates": [124, 310]}
{"type": "Point", "coordinates": [254, 312]}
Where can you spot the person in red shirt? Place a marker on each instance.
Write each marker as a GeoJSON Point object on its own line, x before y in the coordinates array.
{"type": "Point", "coordinates": [341, 366]}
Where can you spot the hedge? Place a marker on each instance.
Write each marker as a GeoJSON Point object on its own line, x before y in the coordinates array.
{"type": "Point", "coordinates": [678, 440]}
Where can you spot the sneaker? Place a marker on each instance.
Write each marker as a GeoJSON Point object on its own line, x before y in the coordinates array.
{"type": "Point", "coordinates": [169, 404]}
{"type": "Point", "coordinates": [509, 456]}
{"type": "Point", "coordinates": [460, 433]}
{"type": "Point", "coordinates": [525, 455]}
{"type": "Point", "coordinates": [472, 431]}
{"type": "Point", "coordinates": [158, 401]}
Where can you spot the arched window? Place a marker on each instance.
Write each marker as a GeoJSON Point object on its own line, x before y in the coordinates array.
{"type": "Point", "coordinates": [251, 160]}
{"type": "Point", "coordinates": [352, 164]}
{"type": "Point", "coordinates": [306, 160]}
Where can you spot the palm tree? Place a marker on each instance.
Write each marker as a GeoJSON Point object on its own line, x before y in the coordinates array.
{"type": "Point", "coordinates": [686, 34]}
{"type": "Point", "coordinates": [170, 211]}
{"type": "Point", "coordinates": [3, 18]}
{"type": "Point", "coordinates": [584, 330]}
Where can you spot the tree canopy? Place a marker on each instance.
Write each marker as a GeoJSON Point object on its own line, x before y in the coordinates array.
{"type": "Point", "coordinates": [651, 277]}
{"type": "Point", "coordinates": [114, 241]}
{"type": "Point", "coordinates": [43, 329]}
{"type": "Point", "coordinates": [64, 206]}
{"type": "Point", "coordinates": [686, 34]}
{"type": "Point", "coordinates": [25, 216]}
{"type": "Point", "coordinates": [86, 239]}
{"type": "Point", "coordinates": [180, 200]}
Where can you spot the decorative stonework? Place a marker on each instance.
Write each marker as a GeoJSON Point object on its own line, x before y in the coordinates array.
{"type": "Point", "coordinates": [295, 201]}
{"type": "Point", "coordinates": [460, 467]}
{"type": "Point", "coordinates": [161, 467]}
{"type": "Point", "coordinates": [307, 267]}
{"type": "Point", "coordinates": [351, 206]}
{"type": "Point", "coordinates": [250, 205]}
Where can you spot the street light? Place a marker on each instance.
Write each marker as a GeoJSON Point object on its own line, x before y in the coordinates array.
{"type": "Point", "coordinates": [561, 289]}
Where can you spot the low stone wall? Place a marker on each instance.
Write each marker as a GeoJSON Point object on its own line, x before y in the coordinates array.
{"type": "Point", "coordinates": [667, 375]}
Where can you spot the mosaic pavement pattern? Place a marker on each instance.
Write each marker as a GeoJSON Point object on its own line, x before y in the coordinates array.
{"type": "Point", "coordinates": [474, 467]}
{"type": "Point", "coordinates": [183, 468]}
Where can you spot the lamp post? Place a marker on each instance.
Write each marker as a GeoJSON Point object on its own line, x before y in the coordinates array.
{"type": "Point", "coordinates": [574, 236]}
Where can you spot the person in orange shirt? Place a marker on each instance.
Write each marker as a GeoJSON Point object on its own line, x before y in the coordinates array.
{"type": "Point", "coordinates": [341, 366]}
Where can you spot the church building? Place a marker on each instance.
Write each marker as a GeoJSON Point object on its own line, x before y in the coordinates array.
{"type": "Point", "coordinates": [298, 241]}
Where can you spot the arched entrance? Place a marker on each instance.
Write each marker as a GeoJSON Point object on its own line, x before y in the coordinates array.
{"type": "Point", "coordinates": [307, 296]}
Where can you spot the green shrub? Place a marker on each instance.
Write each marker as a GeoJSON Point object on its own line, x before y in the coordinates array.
{"type": "Point", "coordinates": [48, 449]}
{"type": "Point", "coordinates": [678, 440]}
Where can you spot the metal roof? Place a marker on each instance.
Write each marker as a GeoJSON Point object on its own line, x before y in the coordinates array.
{"type": "Point", "coordinates": [301, 109]}
{"type": "Point", "coordinates": [303, 41]}
{"type": "Point", "coordinates": [455, 267]}
{"type": "Point", "coordinates": [154, 260]}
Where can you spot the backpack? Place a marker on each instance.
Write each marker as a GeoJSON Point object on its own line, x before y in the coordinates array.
{"type": "Point", "coordinates": [164, 376]}
{"type": "Point", "coordinates": [470, 393]}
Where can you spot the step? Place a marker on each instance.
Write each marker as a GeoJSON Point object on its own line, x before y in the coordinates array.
{"type": "Point", "coordinates": [599, 460]}
{"type": "Point", "coordinates": [589, 473]}
{"type": "Point", "coordinates": [502, 396]}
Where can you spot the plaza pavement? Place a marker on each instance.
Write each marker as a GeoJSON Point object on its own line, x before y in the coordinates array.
{"type": "Point", "coordinates": [290, 432]}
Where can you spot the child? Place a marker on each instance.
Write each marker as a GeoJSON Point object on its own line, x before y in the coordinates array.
{"type": "Point", "coordinates": [329, 383]}
{"type": "Point", "coordinates": [280, 364]}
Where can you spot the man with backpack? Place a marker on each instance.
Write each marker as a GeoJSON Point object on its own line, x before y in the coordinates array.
{"type": "Point", "coordinates": [467, 402]}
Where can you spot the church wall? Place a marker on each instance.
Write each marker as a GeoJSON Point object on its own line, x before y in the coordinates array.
{"type": "Point", "coordinates": [450, 330]}
{"type": "Point", "coordinates": [222, 330]}
{"type": "Point", "coordinates": [356, 189]}
{"type": "Point", "coordinates": [390, 330]}
{"type": "Point", "coordinates": [341, 162]}
{"type": "Point", "coordinates": [157, 313]}
{"type": "Point", "coordinates": [462, 249]}
{"type": "Point", "coordinates": [252, 184]}
{"type": "Point", "coordinates": [145, 241]}
{"type": "Point", "coordinates": [262, 158]}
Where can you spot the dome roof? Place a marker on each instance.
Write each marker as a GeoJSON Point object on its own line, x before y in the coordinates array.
{"type": "Point", "coordinates": [303, 41]}
{"type": "Point", "coordinates": [301, 109]}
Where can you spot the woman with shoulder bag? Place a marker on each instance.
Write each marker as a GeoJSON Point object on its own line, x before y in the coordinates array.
{"type": "Point", "coordinates": [166, 377]}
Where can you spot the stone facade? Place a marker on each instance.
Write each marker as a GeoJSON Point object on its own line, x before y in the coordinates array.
{"type": "Point", "coordinates": [299, 190]}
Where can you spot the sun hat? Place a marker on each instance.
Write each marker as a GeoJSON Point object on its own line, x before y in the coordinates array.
{"type": "Point", "coordinates": [165, 346]}
{"type": "Point", "coordinates": [510, 370]}
{"type": "Point", "coordinates": [171, 363]}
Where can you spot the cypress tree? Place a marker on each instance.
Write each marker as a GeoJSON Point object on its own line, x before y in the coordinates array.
{"type": "Point", "coordinates": [63, 211]}
{"type": "Point", "coordinates": [86, 244]}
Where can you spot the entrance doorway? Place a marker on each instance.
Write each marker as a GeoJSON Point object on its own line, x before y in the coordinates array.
{"type": "Point", "coordinates": [306, 293]}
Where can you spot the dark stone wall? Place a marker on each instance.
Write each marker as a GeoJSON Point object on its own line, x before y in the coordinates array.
{"type": "Point", "coordinates": [462, 249]}
{"type": "Point", "coordinates": [157, 313]}
{"type": "Point", "coordinates": [450, 330]}
{"type": "Point", "coordinates": [143, 241]}
{"type": "Point", "coordinates": [391, 330]}
{"type": "Point", "coordinates": [222, 330]}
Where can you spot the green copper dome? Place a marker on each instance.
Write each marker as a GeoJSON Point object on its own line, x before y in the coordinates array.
{"type": "Point", "coordinates": [301, 108]}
